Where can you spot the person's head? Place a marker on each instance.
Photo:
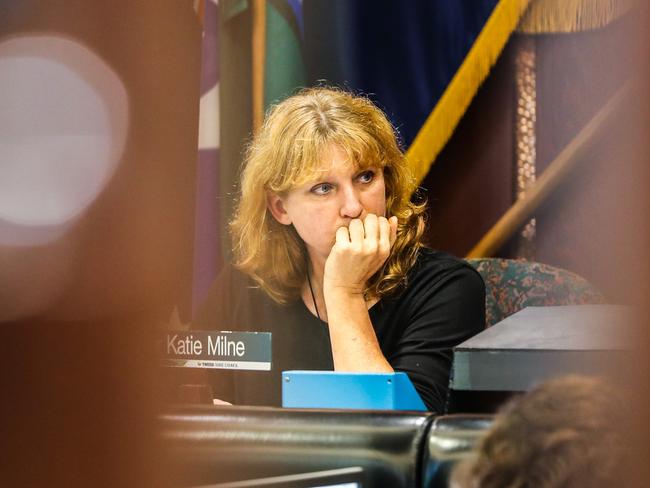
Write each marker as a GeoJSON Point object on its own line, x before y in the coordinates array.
{"type": "Point", "coordinates": [316, 141]}
{"type": "Point", "coordinates": [565, 433]}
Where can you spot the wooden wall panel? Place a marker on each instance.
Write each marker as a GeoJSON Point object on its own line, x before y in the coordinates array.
{"type": "Point", "coordinates": [585, 224]}
{"type": "Point", "coordinates": [471, 183]}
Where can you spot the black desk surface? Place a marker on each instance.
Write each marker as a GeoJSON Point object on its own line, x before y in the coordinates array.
{"type": "Point", "coordinates": [538, 343]}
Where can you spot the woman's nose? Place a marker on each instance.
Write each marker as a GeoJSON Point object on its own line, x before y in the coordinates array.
{"type": "Point", "coordinates": [351, 206]}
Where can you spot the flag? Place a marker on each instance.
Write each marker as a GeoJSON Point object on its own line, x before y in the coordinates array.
{"type": "Point", "coordinates": [284, 67]}
{"type": "Point", "coordinates": [422, 61]}
{"type": "Point", "coordinates": [207, 255]}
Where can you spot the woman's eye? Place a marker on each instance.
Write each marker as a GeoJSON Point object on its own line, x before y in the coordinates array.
{"type": "Point", "coordinates": [366, 176]}
{"type": "Point", "coordinates": [322, 189]}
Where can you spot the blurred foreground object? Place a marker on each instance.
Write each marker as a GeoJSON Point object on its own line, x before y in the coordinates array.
{"type": "Point", "coordinates": [98, 119]}
{"type": "Point", "coordinates": [568, 432]}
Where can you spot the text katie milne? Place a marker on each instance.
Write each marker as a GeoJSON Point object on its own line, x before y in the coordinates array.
{"type": "Point", "coordinates": [214, 349]}
{"type": "Point", "coordinates": [214, 346]}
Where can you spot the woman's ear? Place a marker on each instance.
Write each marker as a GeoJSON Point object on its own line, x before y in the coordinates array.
{"type": "Point", "coordinates": [276, 207]}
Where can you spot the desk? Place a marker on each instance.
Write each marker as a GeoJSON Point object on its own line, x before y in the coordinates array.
{"type": "Point", "coordinates": [538, 343]}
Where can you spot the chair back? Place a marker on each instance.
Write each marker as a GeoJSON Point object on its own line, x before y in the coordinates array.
{"type": "Point", "coordinates": [205, 445]}
{"type": "Point", "coordinates": [451, 439]}
{"type": "Point", "coordinates": [511, 285]}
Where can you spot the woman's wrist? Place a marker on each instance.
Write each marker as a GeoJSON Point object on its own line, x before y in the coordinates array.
{"type": "Point", "coordinates": [344, 305]}
{"type": "Point", "coordinates": [342, 290]}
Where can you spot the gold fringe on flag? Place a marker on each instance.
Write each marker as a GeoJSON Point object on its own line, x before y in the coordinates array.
{"type": "Point", "coordinates": [442, 121]}
{"type": "Point", "coordinates": [554, 16]}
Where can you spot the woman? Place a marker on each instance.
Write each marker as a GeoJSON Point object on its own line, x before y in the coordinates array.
{"type": "Point", "coordinates": [328, 248]}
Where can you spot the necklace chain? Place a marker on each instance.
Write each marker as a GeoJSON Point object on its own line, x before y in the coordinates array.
{"type": "Point", "coordinates": [313, 297]}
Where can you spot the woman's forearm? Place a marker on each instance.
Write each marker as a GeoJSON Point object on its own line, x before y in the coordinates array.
{"type": "Point", "coordinates": [354, 343]}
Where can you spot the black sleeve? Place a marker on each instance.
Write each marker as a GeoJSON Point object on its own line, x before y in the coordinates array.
{"type": "Point", "coordinates": [217, 311]}
{"type": "Point", "coordinates": [443, 314]}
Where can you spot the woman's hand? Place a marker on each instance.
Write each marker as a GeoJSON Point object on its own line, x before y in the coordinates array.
{"type": "Point", "coordinates": [360, 250]}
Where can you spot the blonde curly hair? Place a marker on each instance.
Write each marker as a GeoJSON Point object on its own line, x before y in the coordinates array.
{"type": "Point", "coordinates": [286, 153]}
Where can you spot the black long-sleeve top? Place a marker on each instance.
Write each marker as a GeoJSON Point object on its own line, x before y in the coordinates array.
{"type": "Point", "coordinates": [442, 305]}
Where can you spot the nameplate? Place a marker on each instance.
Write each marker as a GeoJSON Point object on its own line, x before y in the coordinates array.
{"type": "Point", "coordinates": [217, 350]}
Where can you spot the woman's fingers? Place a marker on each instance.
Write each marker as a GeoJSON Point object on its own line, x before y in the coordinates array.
{"type": "Point", "coordinates": [343, 236]}
{"type": "Point", "coordinates": [371, 227]}
{"type": "Point", "coordinates": [384, 237]}
{"type": "Point", "coordinates": [361, 249]}
{"type": "Point", "coordinates": [373, 235]}
{"type": "Point", "coordinates": [357, 233]}
{"type": "Point", "coordinates": [393, 230]}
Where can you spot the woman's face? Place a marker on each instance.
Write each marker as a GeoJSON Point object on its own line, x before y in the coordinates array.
{"type": "Point", "coordinates": [338, 194]}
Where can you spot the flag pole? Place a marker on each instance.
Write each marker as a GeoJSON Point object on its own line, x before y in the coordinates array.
{"type": "Point", "coordinates": [259, 58]}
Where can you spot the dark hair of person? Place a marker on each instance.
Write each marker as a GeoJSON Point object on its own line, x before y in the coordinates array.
{"type": "Point", "coordinates": [565, 433]}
